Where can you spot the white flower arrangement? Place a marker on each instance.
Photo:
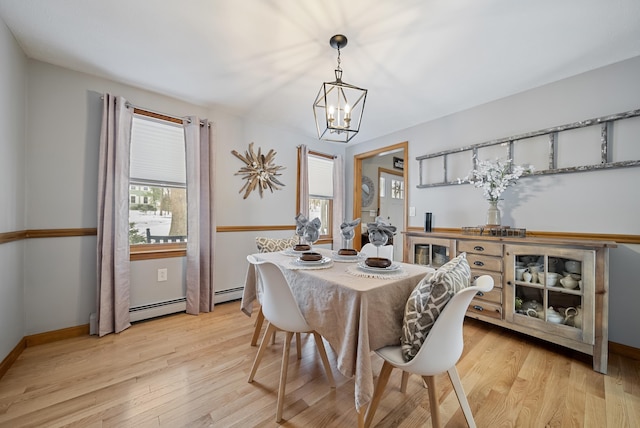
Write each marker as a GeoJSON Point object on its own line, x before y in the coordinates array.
{"type": "Point", "coordinates": [493, 177]}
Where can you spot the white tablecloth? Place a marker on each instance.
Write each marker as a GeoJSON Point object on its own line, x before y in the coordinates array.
{"type": "Point", "coordinates": [354, 314]}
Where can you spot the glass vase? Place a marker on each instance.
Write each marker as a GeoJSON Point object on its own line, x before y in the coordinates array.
{"type": "Point", "coordinates": [493, 214]}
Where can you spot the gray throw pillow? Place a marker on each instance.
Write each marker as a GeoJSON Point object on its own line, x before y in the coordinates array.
{"type": "Point", "coordinates": [428, 299]}
{"type": "Point", "coordinates": [270, 245]}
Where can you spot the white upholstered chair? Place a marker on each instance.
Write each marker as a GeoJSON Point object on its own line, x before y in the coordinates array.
{"type": "Point", "coordinates": [370, 250]}
{"type": "Point", "coordinates": [439, 353]}
{"type": "Point", "coordinates": [281, 312]}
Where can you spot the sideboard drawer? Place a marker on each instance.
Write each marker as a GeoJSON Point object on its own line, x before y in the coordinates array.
{"type": "Point", "coordinates": [483, 262]}
{"type": "Point", "coordinates": [493, 296]}
{"type": "Point", "coordinates": [480, 307]}
{"type": "Point", "coordinates": [497, 276]}
{"type": "Point", "coordinates": [480, 247]}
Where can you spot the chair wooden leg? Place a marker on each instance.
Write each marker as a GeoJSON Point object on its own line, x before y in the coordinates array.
{"type": "Point", "coordinates": [271, 329]}
{"type": "Point", "coordinates": [299, 346]}
{"type": "Point", "coordinates": [383, 378]}
{"type": "Point", "coordinates": [433, 401]}
{"type": "Point", "coordinates": [325, 361]}
{"type": "Point", "coordinates": [258, 327]}
{"type": "Point", "coordinates": [405, 381]}
{"type": "Point", "coordinates": [462, 397]}
{"type": "Point", "coordinates": [283, 375]}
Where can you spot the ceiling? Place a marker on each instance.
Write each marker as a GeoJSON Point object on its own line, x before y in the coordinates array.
{"type": "Point", "coordinates": [266, 59]}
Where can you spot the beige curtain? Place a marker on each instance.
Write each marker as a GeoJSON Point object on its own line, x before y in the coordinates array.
{"type": "Point", "coordinates": [200, 216]}
{"type": "Point", "coordinates": [113, 217]}
{"type": "Point", "coordinates": [303, 183]}
{"type": "Point", "coordinates": [338, 201]}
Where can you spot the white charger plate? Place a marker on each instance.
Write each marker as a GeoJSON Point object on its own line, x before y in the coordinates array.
{"type": "Point", "coordinates": [394, 267]}
{"type": "Point", "coordinates": [320, 262]}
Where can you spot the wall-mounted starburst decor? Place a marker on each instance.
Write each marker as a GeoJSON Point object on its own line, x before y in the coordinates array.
{"type": "Point", "coordinates": [260, 172]}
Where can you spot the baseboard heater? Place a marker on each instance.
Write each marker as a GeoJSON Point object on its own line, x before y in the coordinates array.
{"type": "Point", "coordinates": [228, 295]}
{"type": "Point", "coordinates": [152, 310]}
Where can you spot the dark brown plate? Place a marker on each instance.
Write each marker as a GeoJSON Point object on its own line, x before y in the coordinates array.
{"type": "Point", "coordinates": [347, 252]}
{"type": "Point", "coordinates": [377, 262]}
{"type": "Point", "coordinates": [301, 247]}
{"type": "Point", "coordinates": [311, 257]}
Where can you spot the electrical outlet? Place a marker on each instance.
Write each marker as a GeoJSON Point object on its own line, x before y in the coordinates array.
{"type": "Point", "coordinates": [162, 274]}
{"type": "Point", "coordinates": [412, 211]}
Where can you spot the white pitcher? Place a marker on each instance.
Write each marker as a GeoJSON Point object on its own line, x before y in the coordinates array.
{"type": "Point", "coordinates": [573, 316]}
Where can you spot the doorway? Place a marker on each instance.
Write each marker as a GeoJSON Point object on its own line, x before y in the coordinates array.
{"type": "Point", "coordinates": [367, 189]}
{"type": "Point", "coordinates": [391, 204]}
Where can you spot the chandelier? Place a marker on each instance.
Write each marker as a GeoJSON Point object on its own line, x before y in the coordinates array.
{"type": "Point", "coordinates": [339, 106]}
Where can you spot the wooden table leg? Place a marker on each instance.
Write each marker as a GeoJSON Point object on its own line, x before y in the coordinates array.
{"type": "Point", "coordinates": [258, 327]}
{"type": "Point", "coordinates": [361, 413]}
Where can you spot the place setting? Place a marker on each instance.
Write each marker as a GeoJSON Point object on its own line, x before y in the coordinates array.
{"type": "Point", "coordinates": [378, 267]}
{"type": "Point", "coordinates": [347, 254]}
{"type": "Point", "coordinates": [306, 258]}
{"type": "Point", "coordinates": [311, 260]}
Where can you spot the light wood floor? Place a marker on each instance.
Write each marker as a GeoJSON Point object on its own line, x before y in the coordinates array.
{"type": "Point", "coordinates": [184, 370]}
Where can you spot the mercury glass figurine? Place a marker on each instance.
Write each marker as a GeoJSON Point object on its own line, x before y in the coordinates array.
{"type": "Point", "coordinates": [348, 232]}
{"type": "Point", "coordinates": [312, 231]}
{"type": "Point", "coordinates": [379, 233]}
{"type": "Point", "coordinates": [301, 222]}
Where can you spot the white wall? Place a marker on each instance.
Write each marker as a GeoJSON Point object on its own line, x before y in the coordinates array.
{"type": "Point", "coordinates": [64, 113]}
{"type": "Point", "coordinates": [13, 85]}
{"type": "Point", "coordinates": [590, 202]}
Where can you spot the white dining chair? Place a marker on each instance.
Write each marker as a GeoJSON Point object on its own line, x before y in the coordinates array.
{"type": "Point", "coordinates": [370, 250]}
{"type": "Point", "coordinates": [281, 311]}
{"type": "Point", "coordinates": [439, 353]}
{"type": "Point", "coordinates": [269, 245]}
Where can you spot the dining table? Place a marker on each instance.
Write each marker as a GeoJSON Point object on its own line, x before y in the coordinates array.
{"type": "Point", "coordinates": [357, 309]}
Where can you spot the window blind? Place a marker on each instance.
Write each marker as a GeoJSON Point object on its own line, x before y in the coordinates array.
{"type": "Point", "coordinates": [157, 152]}
{"type": "Point", "coordinates": [320, 176]}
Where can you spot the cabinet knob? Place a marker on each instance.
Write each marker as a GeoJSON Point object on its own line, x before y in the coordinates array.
{"type": "Point", "coordinates": [478, 263]}
{"type": "Point", "coordinates": [480, 293]}
{"type": "Point", "coordinates": [478, 308]}
{"type": "Point", "coordinates": [508, 282]}
{"type": "Point", "coordinates": [478, 248]}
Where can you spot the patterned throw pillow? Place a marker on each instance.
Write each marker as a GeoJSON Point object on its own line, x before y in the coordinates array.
{"type": "Point", "coordinates": [428, 300]}
{"type": "Point", "coordinates": [270, 245]}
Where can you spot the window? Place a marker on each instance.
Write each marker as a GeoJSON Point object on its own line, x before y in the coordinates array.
{"type": "Point", "coordinates": [321, 191]}
{"type": "Point", "coordinates": [397, 189]}
{"type": "Point", "coordinates": [158, 202]}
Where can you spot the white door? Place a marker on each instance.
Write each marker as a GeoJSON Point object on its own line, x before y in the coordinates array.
{"type": "Point", "coordinates": [392, 206]}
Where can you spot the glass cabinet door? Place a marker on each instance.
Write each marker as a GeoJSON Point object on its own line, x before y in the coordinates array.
{"type": "Point", "coordinates": [431, 252]}
{"type": "Point", "coordinates": [551, 289]}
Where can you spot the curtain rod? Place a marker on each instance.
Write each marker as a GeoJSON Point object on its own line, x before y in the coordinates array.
{"type": "Point", "coordinates": [317, 153]}
{"type": "Point", "coordinates": [129, 105]}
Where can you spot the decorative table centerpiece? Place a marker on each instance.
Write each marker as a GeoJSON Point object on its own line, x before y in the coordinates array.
{"type": "Point", "coordinates": [379, 233]}
{"type": "Point", "coordinates": [347, 231]}
{"type": "Point", "coordinates": [308, 232]}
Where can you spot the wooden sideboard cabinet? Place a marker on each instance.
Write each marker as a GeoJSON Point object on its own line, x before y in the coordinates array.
{"type": "Point", "coordinates": [554, 289]}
